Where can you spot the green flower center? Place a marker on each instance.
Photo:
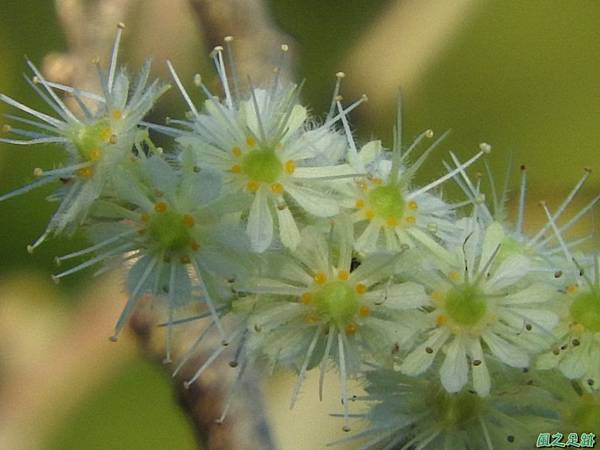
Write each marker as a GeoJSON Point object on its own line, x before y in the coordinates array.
{"type": "Point", "coordinates": [466, 305]}
{"type": "Point", "coordinates": [387, 202]}
{"type": "Point", "coordinates": [168, 229]}
{"type": "Point", "coordinates": [89, 139]}
{"type": "Point", "coordinates": [262, 165]}
{"type": "Point", "coordinates": [586, 311]}
{"type": "Point", "coordinates": [586, 416]}
{"type": "Point", "coordinates": [337, 302]}
{"type": "Point", "coordinates": [455, 411]}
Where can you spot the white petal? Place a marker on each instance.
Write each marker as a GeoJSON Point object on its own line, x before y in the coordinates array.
{"type": "Point", "coordinates": [419, 360]}
{"type": "Point", "coordinates": [512, 269]}
{"type": "Point", "coordinates": [481, 374]}
{"type": "Point", "coordinates": [536, 293]}
{"type": "Point", "coordinates": [369, 152]}
{"type": "Point", "coordinates": [295, 121]}
{"type": "Point", "coordinates": [338, 170]}
{"type": "Point", "coordinates": [367, 241]}
{"type": "Point", "coordinates": [312, 200]}
{"type": "Point", "coordinates": [505, 351]}
{"type": "Point", "coordinates": [455, 370]}
{"type": "Point", "coordinates": [288, 230]}
{"type": "Point", "coordinates": [260, 222]}
{"type": "Point", "coordinates": [494, 236]}
{"type": "Point", "coordinates": [402, 296]}
{"type": "Point", "coordinates": [574, 365]}
{"type": "Point", "coordinates": [547, 361]}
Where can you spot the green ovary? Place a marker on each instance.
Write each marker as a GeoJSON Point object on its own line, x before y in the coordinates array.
{"type": "Point", "coordinates": [453, 411]}
{"type": "Point", "coordinates": [586, 416]}
{"type": "Point", "coordinates": [387, 202]}
{"type": "Point", "coordinates": [262, 165]}
{"type": "Point", "coordinates": [90, 138]}
{"type": "Point", "coordinates": [336, 301]}
{"type": "Point", "coordinates": [168, 230]}
{"type": "Point", "coordinates": [586, 311]}
{"type": "Point", "coordinates": [466, 305]}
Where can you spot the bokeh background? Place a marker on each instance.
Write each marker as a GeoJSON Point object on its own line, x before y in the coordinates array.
{"type": "Point", "coordinates": [522, 76]}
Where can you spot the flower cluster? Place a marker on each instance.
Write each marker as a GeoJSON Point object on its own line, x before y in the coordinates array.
{"type": "Point", "coordinates": [321, 253]}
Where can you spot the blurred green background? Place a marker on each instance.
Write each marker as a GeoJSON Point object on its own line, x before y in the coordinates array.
{"type": "Point", "coordinates": [523, 76]}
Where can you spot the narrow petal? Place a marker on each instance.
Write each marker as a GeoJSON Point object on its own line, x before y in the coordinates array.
{"type": "Point", "coordinates": [419, 360]}
{"type": "Point", "coordinates": [454, 372]}
{"type": "Point", "coordinates": [312, 200]}
{"type": "Point", "coordinates": [505, 351]}
{"type": "Point", "coordinates": [288, 230]}
{"type": "Point", "coordinates": [260, 222]}
{"type": "Point", "coordinates": [481, 374]}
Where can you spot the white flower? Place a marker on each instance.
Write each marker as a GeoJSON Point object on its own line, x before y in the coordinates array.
{"type": "Point", "coordinates": [478, 308]}
{"type": "Point", "coordinates": [97, 139]}
{"type": "Point", "coordinates": [168, 222]}
{"type": "Point", "coordinates": [406, 412]}
{"type": "Point", "coordinates": [314, 307]}
{"type": "Point", "coordinates": [388, 210]}
{"type": "Point", "coordinates": [263, 145]}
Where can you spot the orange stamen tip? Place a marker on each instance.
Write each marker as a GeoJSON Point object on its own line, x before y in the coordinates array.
{"type": "Point", "coordinates": [361, 288]}
{"type": "Point", "coordinates": [105, 134]}
{"type": "Point", "coordinates": [343, 275]}
{"type": "Point", "coordinates": [188, 221]}
{"type": "Point", "coordinates": [307, 298]}
{"type": "Point", "coordinates": [320, 278]}
{"type": "Point", "coordinates": [351, 329]}
{"type": "Point", "coordinates": [236, 168]}
{"type": "Point", "coordinates": [252, 186]}
{"type": "Point", "coordinates": [454, 276]}
{"type": "Point", "coordinates": [370, 214]}
{"type": "Point", "coordinates": [117, 114]}
{"type": "Point", "coordinates": [377, 181]}
{"type": "Point", "coordinates": [412, 205]}
{"type": "Point", "coordinates": [237, 152]}
{"type": "Point", "coordinates": [364, 311]}
{"type": "Point", "coordinates": [572, 288]}
{"type": "Point", "coordinates": [86, 172]}
{"type": "Point", "coordinates": [161, 207]}
{"type": "Point", "coordinates": [360, 203]}
{"type": "Point", "coordinates": [437, 296]}
{"type": "Point", "coordinates": [441, 320]}
{"type": "Point", "coordinates": [290, 166]}
{"type": "Point", "coordinates": [391, 222]}
{"type": "Point", "coordinates": [250, 141]}
{"type": "Point", "coordinates": [195, 246]}
{"type": "Point", "coordinates": [277, 188]}
{"type": "Point", "coordinates": [411, 220]}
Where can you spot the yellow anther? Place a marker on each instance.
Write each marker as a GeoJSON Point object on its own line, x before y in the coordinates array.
{"type": "Point", "coordinates": [105, 134]}
{"type": "Point", "coordinates": [454, 276]}
{"type": "Point", "coordinates": [572, 288]}
{"type": "Point", "coordinates": [437, 296]}
{"type": "Point", "coordinates": [185, 259]}
{"type": "Point", "coordinates": [411, 220]}
{"type": "Point", "coordinates": [412, 205]}
{"type": "Point", "coordinates": [277, 188]}
{"type": "Point", "coordinates": [360, 203]}
{"type": "Point", "coordinates": [307, 298]}
{"type": "Point", "coordinates": [250, 141]}
{"type": "Point", "coordinates": [85, 172]}
{"type": "Point", "coordinates": [351, 329]}
{"type": "Point", "coordinates": [236, 168]}
{"type": "Point", "coordinates": [161, 207]}
{"type": "Point", "coordinates": [320, 278]}
{"type": "Point", "coordinates": [577, 328]}
{"type": "Point", "coordinates": [343, 275]}
{"type": "Point", "coordinates": [95, 154]}
{"type": "Point", "coordinates": [370, 214]}
{"type": "Point", "coordinates": [441, 320]}
{"type": "Point", "coordinates": [188, 221]}
{"type": "Point", "coordinates": [391, 222]}
{"type": "Point", "coordinates": [377, 181]}
{"type": "Point", "coordinates": [237, 152]}
{"type": "Point", "coordinates": [361, 288]}
{"type": "Point", "coordinates": [364, 311]}
{"type": "Point", "coordinates": [312, 319]}
{"type": "Point", "coordinates": [290, 166]}
{"type": "Point", "coordinates": [117, 114]}
{"type": "Point", "coordinates": [195, 246]}
{"type": "Point", "coordinates": [253, 186]}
